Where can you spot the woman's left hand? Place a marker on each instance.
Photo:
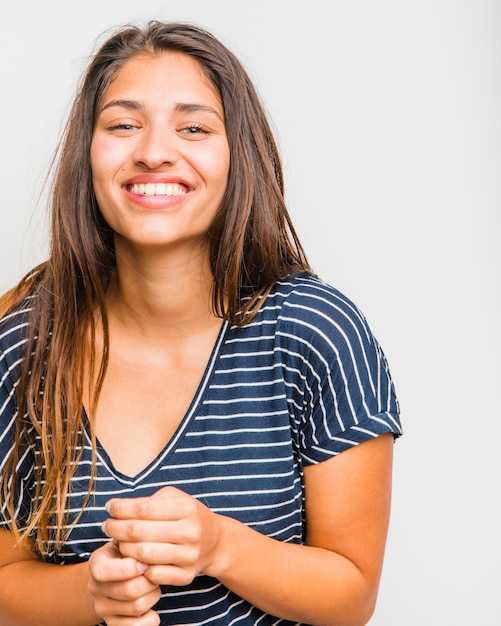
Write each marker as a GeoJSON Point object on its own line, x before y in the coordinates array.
{"type": "Point", "coordinates": [172, 532]}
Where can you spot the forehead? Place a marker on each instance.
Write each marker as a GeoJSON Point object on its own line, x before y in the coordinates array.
{"type": "Point", "coordinates": [162, 73]}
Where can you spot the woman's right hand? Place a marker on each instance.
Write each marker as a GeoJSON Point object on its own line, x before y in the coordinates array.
{"type": "Point", "coordinates": [122, 595]}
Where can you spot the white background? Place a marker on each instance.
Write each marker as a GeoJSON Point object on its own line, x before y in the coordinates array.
{"type": "Point", "coordinates": [388, 114]}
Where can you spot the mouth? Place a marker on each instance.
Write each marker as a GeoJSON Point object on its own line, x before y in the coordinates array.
{"type": "Point", "coordinates": [158, 189]}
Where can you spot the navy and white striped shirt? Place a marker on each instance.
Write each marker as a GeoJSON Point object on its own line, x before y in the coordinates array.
{"type": "Point", "coordinates": [303, 382]}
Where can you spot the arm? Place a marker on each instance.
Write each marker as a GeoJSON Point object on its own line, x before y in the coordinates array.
{"type": "Point", "coordinates": [34, 593]}
{"type": "Point", "coordinates": [333, 580]}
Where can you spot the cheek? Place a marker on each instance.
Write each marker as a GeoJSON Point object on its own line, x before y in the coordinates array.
{"type": "Point", "coordinates": [102, 158]}
{"type": "Point", "coordinates": [217, 164]}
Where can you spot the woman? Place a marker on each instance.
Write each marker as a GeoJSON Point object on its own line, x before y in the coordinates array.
{"type": "Point", "coordinates": [177, 387]}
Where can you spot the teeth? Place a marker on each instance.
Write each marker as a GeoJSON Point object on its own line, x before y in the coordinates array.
{"type": "Point", "coordinates": [158, 189]}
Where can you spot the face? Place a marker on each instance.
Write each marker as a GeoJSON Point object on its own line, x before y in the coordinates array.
{"type": "Point", "coordinates": [160, 155]}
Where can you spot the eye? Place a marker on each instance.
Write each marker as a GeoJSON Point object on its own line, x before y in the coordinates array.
{"type": "Point", "coordinates": [195, 129]}
{"type": "Point", "coordinates": [121, 127]}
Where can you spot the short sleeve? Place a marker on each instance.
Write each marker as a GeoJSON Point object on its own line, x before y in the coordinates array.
{"type": "Point", "coordinates": [11, 341]}
{"type": "Point", "coordinates": [347, 392]}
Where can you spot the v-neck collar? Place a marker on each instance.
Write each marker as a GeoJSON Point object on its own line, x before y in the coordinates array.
{"type": "Point", "coordinates": [169, 448]}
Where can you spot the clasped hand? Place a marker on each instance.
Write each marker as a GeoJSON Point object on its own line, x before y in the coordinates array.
{"type": "Point", "coordinates": [165, 539]}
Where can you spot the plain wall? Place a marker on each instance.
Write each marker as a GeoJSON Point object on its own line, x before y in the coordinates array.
{"type": "Point", "coordinates": [388, 115]}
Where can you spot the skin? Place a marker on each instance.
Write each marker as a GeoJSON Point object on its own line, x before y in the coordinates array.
{"type": "Point", "coordinates": [161, 121]}
{"type": "Point", "coordinates": [161, 321]}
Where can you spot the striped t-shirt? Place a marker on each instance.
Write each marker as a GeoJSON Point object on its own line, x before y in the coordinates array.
{"type": "Point", "coordinates": [305, 380]}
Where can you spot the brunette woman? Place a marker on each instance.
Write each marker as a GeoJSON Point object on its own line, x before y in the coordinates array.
{"type": "Point", "coordinates": [194, 428]}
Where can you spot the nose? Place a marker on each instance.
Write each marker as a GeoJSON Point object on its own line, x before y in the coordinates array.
{"type": "Point", "coordinates": [156, 147]}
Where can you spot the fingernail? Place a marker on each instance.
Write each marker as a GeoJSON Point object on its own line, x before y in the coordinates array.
{"type": "Point", "coordinates": [141, 567]}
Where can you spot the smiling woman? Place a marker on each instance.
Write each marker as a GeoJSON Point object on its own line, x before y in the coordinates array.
{"type": "Point", "coordinates": [161, 122]}
{"type": "Point", "coordinates": [192, 424]}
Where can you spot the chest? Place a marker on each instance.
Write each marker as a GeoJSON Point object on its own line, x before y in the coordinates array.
{"type": "Point", "coordinates": [145, 397]}
{"type": "Point", "coordinates": [246, 469]}
{"type": "Point", "coordinates": [237, 449]}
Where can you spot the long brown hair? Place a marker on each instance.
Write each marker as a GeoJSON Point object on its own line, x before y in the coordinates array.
{"type": "Point", "coordinates": [252, 245]}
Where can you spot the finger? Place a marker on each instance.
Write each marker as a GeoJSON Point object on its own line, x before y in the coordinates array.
{"type": "Point", "coordinates": [107, 564]}
{"type": "Point", "coordinates": [171, 575]}
{"type": "Point", "coordinates": [167, 504]}
{"type": "Point", "coordinates": [152, 553]}
{"type": "Point", "coordinates": [167, 531]}
{"type": "Point", "coordinates": [126, 590]}
{"type": "Point", "coordinates": [151, 618]}
{"type": "Point", "coordinates": [139, 607]}
{"type": "Point", "coordinates": [148, 619]}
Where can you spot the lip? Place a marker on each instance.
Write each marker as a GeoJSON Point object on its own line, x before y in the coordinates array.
{"type": "Point", "coordinates": [154, 201]}
{"type": "Point", "coordinates": [144, 179]}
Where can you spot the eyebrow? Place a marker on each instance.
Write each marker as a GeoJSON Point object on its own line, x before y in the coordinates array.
{"type": "Point", "coordinates": [181, 107]}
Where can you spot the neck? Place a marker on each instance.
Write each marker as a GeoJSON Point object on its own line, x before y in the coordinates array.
{"type": "Point", "coordinates": [163, 297]}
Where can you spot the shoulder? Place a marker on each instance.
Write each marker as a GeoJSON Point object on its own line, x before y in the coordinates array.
{"type": "Point", "coordinates": [14, 323]}
{"type": "Point", "coordinates": [311, 308]}
{"type": "Point", "coordinates": [14, 327]}
{"type": "Point", "coordinates": [325, 339]}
